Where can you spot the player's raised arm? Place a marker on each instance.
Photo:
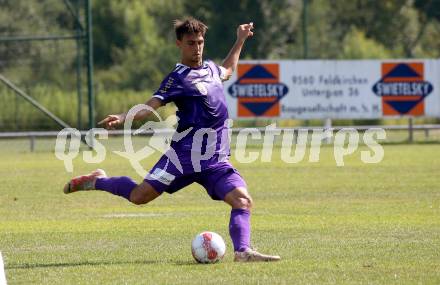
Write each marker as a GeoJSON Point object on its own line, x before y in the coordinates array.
{"type": "Point", "coordinates": [112, 121]}
{"type": "Point", "coordinates": [230, 63]}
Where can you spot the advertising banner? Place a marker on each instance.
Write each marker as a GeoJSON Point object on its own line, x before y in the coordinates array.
{"type": "Point", "coordinates": [335, 89]}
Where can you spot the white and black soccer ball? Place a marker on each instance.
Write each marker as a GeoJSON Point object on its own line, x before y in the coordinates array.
{"type": "Point", "coordinates": [208, 247]}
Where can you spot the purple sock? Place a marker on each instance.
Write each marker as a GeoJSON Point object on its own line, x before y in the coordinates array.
{"type": "Point", "coordinates": [240, 229]}
{"type": "Point", "coordinates": [121, 186]}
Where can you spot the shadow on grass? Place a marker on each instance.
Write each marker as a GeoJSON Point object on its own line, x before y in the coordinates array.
{"type": "Point", "coordinates": [187, 263]}
{"type": "Point", "coordinates": [81, 263]}
{"type": "Point", "coordinates": [194, 263]}
{"type": "Point", "coordinates": [97, 263]}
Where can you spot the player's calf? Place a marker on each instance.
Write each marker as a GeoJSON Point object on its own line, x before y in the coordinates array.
{"type": "Point", "coordinates": [143, 193]}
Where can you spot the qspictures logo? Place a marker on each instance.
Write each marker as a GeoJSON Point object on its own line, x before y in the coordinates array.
{"type": "Point", "coordinates": [403, 89]}
{"type": "Point", "coordinates": [258, 90]}
{"type": "Point", "coordinates": [294, 143]}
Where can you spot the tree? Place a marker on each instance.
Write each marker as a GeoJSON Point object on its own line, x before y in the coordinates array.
{"type": "Point", "coordinates": [132, 42]}
{"type": "Point", "coordinates": [357, 46]}
{"type": "Point", "coordinates": [396, 26]}
{"type": "Point", "coordinates": [28, 62]}
{"type": "Point", "coordinates": [275, 25]}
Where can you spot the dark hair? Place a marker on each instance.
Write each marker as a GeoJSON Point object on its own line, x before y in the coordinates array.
{"type": "Point", "coordinates": [189, 26]}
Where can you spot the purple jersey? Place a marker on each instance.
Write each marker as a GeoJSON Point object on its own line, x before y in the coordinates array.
{"type": "Point", "coordinates": [198, 95]}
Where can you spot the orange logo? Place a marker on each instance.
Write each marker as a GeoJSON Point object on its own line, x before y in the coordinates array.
{"type": "Point", "coordinates": [403, 89]}
{"type": "Point", "coordinates": [258, 90]}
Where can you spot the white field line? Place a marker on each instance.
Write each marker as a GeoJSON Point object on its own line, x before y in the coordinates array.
{"type": "Point", "coordinates": [134, 215]}
{"type": "Point", "coordinates": [150, 215]}
{"type": "Point", "coordinates": [2, 271]}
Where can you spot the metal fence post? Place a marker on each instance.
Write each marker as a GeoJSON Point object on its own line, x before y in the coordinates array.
{"type": "Point", "coordinates": [32, 143]}
{"type": "Point", "coordinates": [89, 48]}
{"type": "Point", "coordinates": [410, 130]}
{"type": "Point", "coordinates": [328, 131]}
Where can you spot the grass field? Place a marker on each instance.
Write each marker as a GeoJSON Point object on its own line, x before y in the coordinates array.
{"type": "Point", "coordinates": [357, 224]}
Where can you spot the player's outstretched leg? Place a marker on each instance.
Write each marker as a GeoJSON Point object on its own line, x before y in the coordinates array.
{"type": "Point", "coordinates": [122, 186]}
{"type": "Point", "coordinates": [239, 227]}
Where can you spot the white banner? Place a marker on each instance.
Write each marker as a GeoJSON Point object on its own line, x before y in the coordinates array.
{"type": "Point", "coordinates": [337, 89]}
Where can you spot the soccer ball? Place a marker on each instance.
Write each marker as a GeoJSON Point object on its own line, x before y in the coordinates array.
{"type": "Point", "coordinates": [208, 247]}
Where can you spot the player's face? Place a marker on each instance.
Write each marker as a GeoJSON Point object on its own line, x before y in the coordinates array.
{"type": "Point", "coordinates": [191, 47]}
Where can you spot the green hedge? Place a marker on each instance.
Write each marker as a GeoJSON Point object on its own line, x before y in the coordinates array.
{"type": "Point", "coordinates": [16, 114]}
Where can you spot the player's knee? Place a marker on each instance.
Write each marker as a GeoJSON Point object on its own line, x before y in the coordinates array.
{"type": "Point", "coordinates": [245, 203]}
{"type": "Point", "coordinates": [239, 198]}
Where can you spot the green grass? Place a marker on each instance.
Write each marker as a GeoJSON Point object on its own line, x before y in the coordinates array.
{"type": "Point", "coordinates": [357, 224]}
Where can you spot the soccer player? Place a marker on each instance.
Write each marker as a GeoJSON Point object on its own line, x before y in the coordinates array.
{"type": "Point", "coordinates": [195, 86]}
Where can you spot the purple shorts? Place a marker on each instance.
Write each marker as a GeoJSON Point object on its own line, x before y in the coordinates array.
{"type": "Point", "coordinates": [218, 178]}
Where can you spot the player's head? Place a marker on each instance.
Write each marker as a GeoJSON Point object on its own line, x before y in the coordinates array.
{"type": "Point", "coordinates": [190, 38]}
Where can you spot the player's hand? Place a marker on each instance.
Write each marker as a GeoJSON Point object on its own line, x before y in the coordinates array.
{"type": "Point", "coordinates": [244, 31]}
{"type": "Point", "coordinates": [112, 121]}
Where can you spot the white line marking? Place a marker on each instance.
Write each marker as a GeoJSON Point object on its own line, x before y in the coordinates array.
{"type": "Point", "coordinates": [2, 271]}
{"type": "Point", "coordinates": [134, 215]}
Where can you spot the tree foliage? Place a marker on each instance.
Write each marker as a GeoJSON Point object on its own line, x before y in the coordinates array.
{"type": "Point", "coordinates": [133, 41]}
{"type": "Point", "coordinates": [134, 44]}
{"type": "Point", "coordinates": [35, 61]}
